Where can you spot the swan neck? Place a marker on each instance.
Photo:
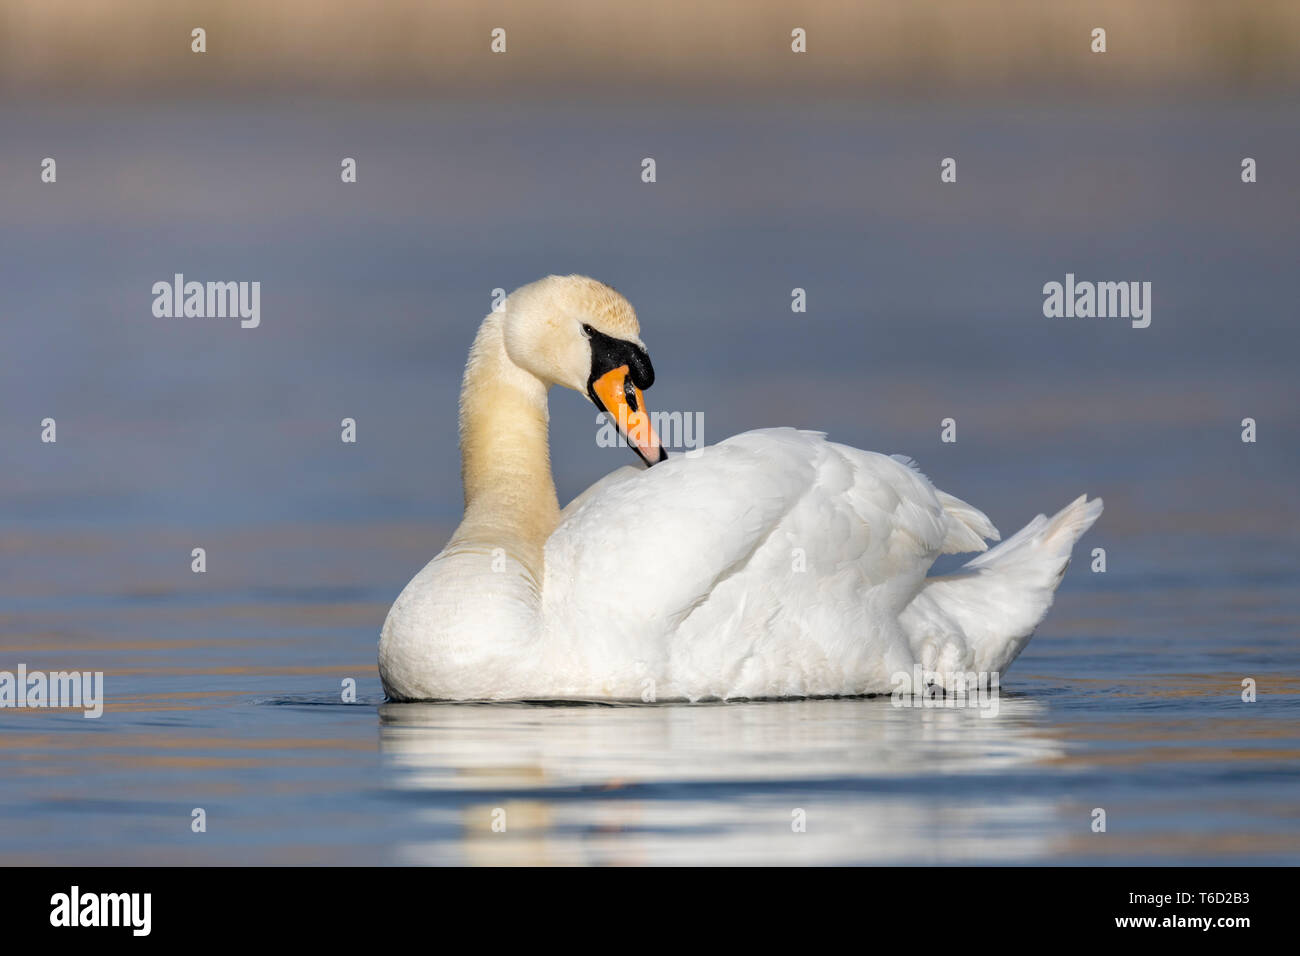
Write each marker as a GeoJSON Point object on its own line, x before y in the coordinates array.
{"type": "Point", "coordinates": [510, 500]}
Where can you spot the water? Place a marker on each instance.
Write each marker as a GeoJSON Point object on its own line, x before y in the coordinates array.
{"type": "Point", "coordinates": [225, 688]}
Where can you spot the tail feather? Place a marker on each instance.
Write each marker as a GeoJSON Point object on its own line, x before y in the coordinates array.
{"type": "Point", "coordinates": [997, 598]}
{"type": "Point", "coordinates": [969, 527]}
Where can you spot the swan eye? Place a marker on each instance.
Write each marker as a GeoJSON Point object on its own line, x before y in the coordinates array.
{"type": "Point", "coordinates": [587, 330]}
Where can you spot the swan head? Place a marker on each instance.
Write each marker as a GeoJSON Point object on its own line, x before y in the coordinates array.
{"type": "Point", "coordinates": [581, 334]}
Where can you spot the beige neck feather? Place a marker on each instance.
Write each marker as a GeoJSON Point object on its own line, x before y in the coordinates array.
{"type": "Point", "coordinates": [505, 456]}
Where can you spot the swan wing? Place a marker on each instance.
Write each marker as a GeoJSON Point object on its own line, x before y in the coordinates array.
{"type": "Point", "coordinates": [775, 535]}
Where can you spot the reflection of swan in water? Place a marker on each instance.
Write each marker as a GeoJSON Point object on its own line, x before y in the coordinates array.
{"type": "Point", "coordinates": [715, 784]}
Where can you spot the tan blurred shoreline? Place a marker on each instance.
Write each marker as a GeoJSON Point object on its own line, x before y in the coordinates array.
{"type": "Point", "coordinates": [671, 47]}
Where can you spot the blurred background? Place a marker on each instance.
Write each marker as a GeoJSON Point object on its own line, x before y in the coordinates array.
{"type": "Point", "coordinates": [588, 47]}
{"type": "Point", "coordinates": [775, 170]}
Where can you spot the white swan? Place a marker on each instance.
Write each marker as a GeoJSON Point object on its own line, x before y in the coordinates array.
{"type": "Point", "coordinates": [775, 564]}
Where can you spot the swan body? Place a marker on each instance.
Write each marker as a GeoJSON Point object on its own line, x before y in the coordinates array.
{"type": "Point", "coordinates": [773, 564]}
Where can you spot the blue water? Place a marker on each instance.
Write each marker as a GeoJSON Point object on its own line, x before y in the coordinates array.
{"type": "Point", "coordinates": [224, 689]}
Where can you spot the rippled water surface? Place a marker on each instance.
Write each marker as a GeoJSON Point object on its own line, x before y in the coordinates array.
{"type": "Point", "coordinates": [224, 689]}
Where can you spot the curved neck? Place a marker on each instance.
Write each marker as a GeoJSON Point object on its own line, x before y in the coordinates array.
{"type": "Point", "coordinates": [505, 461]}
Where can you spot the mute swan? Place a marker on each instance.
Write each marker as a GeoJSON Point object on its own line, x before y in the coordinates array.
{"type": "Point", "coordinates": [775, 564]}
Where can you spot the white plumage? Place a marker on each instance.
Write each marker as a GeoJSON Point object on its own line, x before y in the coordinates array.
{"type": "Point", "coordinates": [774, 564]}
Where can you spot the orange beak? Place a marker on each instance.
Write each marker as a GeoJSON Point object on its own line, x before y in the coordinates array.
{"type": "Point", "coordinates": [623, 401]}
